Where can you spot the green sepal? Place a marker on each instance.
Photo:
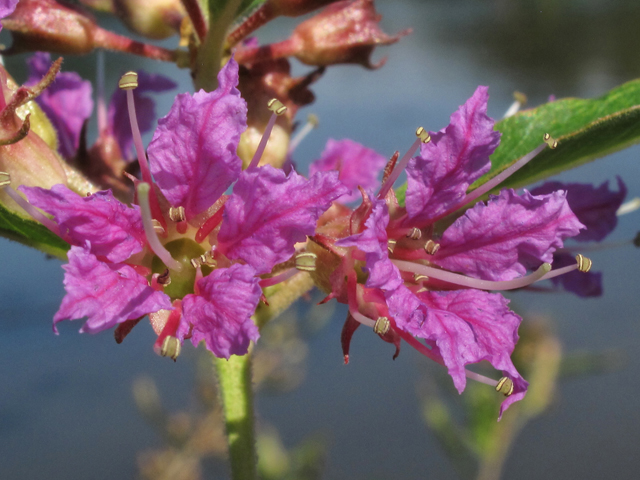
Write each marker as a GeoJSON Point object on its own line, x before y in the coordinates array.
{"type": "Point", "coordinates": [31, 233]}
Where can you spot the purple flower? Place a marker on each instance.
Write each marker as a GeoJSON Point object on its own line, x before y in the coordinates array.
{"type": "Point", "coordinates": [119, 270]}
{"type": "Point", "coordinates": [434, 286]}
{"type": "Point", "coordinates": [67, 102]}
{"type": "Point", "coordinates": [358, 165]}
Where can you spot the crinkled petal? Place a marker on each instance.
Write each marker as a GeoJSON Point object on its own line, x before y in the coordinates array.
{"type": "Point", "coordinates": [67, 102]}
{"type": "Point", "coordinates": [107, 294]}
{"type": "Point", "coordinates": [508, 235]}
{"type": "Point", "coordinates": [118, 111]}
{"type": "Point", "coordinates": [221, 314]}
{"type": "Point", "coordinates": [457, 156]}
{"type": "Point", "coordinates": [373, 241]}
{"type": "Point", "coordinates": [193, 152]}
{"type": "Point", "coordinates": [269, 212]}
{"type": "Point", "coordinates": [114, 230]}
{"type": "Point", "coordinates": [583, 284]}
{"type": "Point", "coordinates": [357, 164]}
{"type": "Point", "coordinates": [595, 207]}
{"type": "Point", "coordinates": [468, 326]}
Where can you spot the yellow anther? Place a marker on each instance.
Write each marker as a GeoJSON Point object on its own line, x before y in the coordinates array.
{"type": "Point", "coordinates": [584, 263]}
{"type": "Point", "coordinates": [5, 179]}
{"type": "Point", "coordinates": [128, 81]}
{"type": "Point", "coordinates": [276, 106]}
{"type": "Point", "coordinates": [520, 97]}
{"type": "Point", "coordinates": [195, 262]}
{"type": "Point", "coordinates": [157, 226]}
{"type": "Point", "coordinates": [549, 140]}
{"type": "Point", "coordinates": [381, 326]}
{"type": "Point", "coordinates": [505, 386]}
{"type": "Point", "coordinates": [313, 120]}
{"type": "Point", "coordinates": [431, 247]}
{"type": "Point", "coordinates": [391, 245]}
{"type": "Point", "coordinates": [171, 348]}
{"type": "Point", "coordinates": [306, 261]}
{"type": "Point", "coordinates": [207, 260]}
{"type": "Point", "coordinates": [164, 278]}
{"type": "Point", "coordinates": [176, 214]}
{"type": "Point", "coordinates": [419, 278]}
{"type": "Point", "coordinates": [423, 135]}
{"type": "Point", "coordinates": [414, 234]}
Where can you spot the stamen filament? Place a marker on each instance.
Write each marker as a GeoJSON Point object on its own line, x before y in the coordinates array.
{"type": "Point", "coordinates": [312, 122]}
{"type": "Point", "coordinates": [31, 210]}
{"type": "Point", "coordinates": [560, 271]}
{"type": "Point", "coordinates": [286, 275]}
{"type": "Point", "coordinates": [278, 109]}
{"type": "Point", "coordinates": [402, 164]}
{"type": "Point", "coordinates": [463, 280]}
{"type": "Point", "coordinates": [362, 319]}
{"type": "Point", "coordinates": [147, 221]}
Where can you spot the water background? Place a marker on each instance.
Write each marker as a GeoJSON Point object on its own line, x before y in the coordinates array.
{"type": "Point", "coordinates": [66, 408]}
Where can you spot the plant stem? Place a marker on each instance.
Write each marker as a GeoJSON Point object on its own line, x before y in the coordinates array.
{"type": "Point", "coordinates": [236, 393]}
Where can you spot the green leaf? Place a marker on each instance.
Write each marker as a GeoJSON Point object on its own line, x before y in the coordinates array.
{"type": "Point", "coordinates": [31, 233]}
{"type": "Point", "coordinates": [585, 130]}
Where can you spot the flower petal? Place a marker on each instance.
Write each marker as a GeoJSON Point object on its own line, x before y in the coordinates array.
{"type": "Point", "coordinates": [67, 102]}
{"type": "Point", "coordinates": [118, 111]}
{"type": "Point", "coordinates": [269, 212]}
{"type": "Point", "coordinates": [193, 152]}
{"type": "Point", "coordinates": [221, 314]}
{"type": "Point", "coordinates": [107, 294]}
{"type": "Point", "coordinates": [595, 207]}
{"type": "Point", "coordinates": [114, 230]}
{"type": "Point", "coordinates": [500, 240]}
{"type": "Point", "coordinates": [357, 164]}
{"type": "Point", "coordinates": [438, 178]}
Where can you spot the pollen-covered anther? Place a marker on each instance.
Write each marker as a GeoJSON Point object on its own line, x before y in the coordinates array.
{"type": "Point", "coordinates": [128, 81]}
{"type": "Point", "coordinates": [423, 135]}
{"type": "Point", "coordinates": [5, 179]}
{"type": "Point", "coordinates": [584, 263]}
{"type": "Point", "coordinates": [157, 226]}
{"type": "Point", "coordinates": [171, 348]}
{"type": "Point", "coordinates": [417, 278]}
{"type": "Point", "coordinates": [431, 247]}
{"type": "Point", "coordinates": [176, 214]}
{"type": "Point", "coordinates": [164, 278]}
{"type": "Point", "coordinates": [549, 140]}
{"type": "Point", "coordinates": [414, 234]}
{"type": "Point", "coordinates": [391, 245]}
{"type": "Point", "coordinates": [306, 261]}
{"type": "Point", "coordinates": [195, 262]}
{"type": "Point", "coordinates": [505, 386]}
{"type": "Point", "coordinates": [207, 260]}
{"type": "Point", "coordinates": [276, 106]}
{"type": "Point", "coordinates": [381, 326]}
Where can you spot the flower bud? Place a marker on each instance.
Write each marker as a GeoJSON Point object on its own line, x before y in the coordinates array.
{"type": "Point", "coordinates": [155, 19]}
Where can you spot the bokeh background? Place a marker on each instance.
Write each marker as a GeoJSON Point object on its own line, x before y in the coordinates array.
{"type": "Point", "coordinates": [67, 408]}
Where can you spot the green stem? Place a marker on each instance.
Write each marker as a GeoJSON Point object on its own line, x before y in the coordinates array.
{"type": "Point", "coordinates": [236, 393]}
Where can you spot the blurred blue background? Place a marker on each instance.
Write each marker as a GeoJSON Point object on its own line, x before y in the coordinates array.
{"type": "Point", "coordinates": [66, 407]}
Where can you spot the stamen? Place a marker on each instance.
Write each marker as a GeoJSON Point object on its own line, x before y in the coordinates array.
{"type": "Point", "coordinates": [154, 243]}
{"type": "Point", "coordinates": [312, 122]}
{"type": "Point", "coordinates": [176, 214]}
{"type": "Point", "coordinates": [362, 319]}
{"type": "Point", "coordinates": [419, 278]}
{"type": "Point", "coordinates": [423, 137]}
{"type": "Point", "coordinates": [391, 245]}
{"type": "Point", "coordinates": [278, 108]}
{"type": "Point", "coordinates": [463, 280]}
{"type": "Point", "coordinates": [584, 263]}
{"type": "Point", "coordinates": [164, 279]}
{"type": "Point", "coordinates": [205, 259]}
{"type": "Point", "coordinates": [170, 348]}
{"type": "Point", "coordinates": [5, 184]}
{"type": "Point", "coordinates": [519, 100]}
{"type": "Point", "coordinates": [505, 386]}
{"type": "Point", "coordinates": [157, 227]}
{"type": "Point", "coordinates": [414, 234]}
{"type": "Point", "coordinates": [431, 247]}
{"type": "Point", "coordinates": [306, 261]}
{"type": "Point", "coordinates": [286, 275]}
{"type": "Point", "coordinates": [381, 326]}
{"type": "Point", "coordinates": [506, 173]}
{"type": "Point", "coordinates": [628, 207]}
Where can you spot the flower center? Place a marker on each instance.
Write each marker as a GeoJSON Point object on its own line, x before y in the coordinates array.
{"type": "Point", "coordinates": [182, 251]}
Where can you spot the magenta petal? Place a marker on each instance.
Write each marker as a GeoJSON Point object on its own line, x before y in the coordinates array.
{"type": "Point", "coordinates": [221, 314]}
{"type": "Point", "coordinates": [373, 241]}
{"type": "Point", "coordinates": [107, 294]}
{"type": "Point", "coordinates": [468, 326]}
{"type": "Point", "coordinates": [501, 240]}
{"type": "Point", "coordinates": [269, 212]}
{"type": "Point", "coordinates": [67, 102]}
{"type": "Point", "coordinates": [457, 156]}
{"type": "Point", "coordinates": [114, 230]}
{"type": "Point", "coordinates": [357, 164]}
{"type": "Point", "coordinates": [118, 112]}
{"type": "Point", "coordinates": [193, 152]}
{"type": "Point", "coordinates": [595, 207]}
